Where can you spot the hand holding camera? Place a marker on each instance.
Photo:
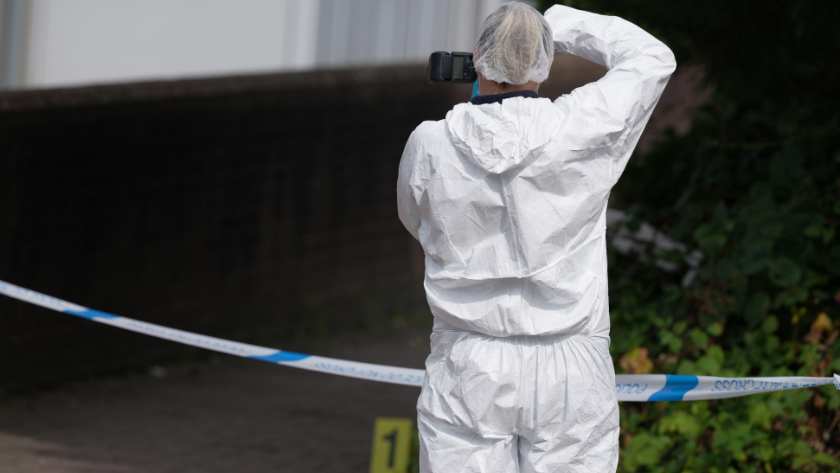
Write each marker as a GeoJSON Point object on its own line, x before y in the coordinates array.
{"type": "Point", "coordinates": [455, 67]}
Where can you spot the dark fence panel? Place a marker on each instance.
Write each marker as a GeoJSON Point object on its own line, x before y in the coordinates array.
{"type": "Point", "coordinates": [254, 208]}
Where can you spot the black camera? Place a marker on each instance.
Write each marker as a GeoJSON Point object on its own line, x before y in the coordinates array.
{"type": "Point", "coordinates": [457, 68]}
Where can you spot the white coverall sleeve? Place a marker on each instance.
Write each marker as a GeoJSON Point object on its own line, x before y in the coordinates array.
{"type": "Point", "coordinates": [617, 107]}
{"type": "Point", "coordinates": [411, 184]}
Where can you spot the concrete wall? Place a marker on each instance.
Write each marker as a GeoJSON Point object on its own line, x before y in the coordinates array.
{"type": "Point", "coordinates": [59, 43]}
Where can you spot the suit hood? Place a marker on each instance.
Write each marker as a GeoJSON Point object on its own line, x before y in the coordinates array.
{"type": "Point", "coordinates": [499, 136]}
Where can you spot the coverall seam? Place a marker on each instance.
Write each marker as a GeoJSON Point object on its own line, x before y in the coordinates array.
{"type": "Point", "coordinates": [491, 277]}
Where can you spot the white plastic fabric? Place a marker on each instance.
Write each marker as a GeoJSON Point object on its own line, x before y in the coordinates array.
{"type": "Point", "coordinates": [514, 45]}
{"type": "Point", "coordinates": [509, 203]}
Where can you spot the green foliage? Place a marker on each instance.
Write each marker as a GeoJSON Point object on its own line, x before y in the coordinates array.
{"type": "Point", "coordinates": [755, 186]}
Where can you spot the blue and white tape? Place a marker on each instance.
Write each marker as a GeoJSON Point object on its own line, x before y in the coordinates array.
{"type": "Point", "coordinates": [639, 388]}
{"type": "Point", "coordinates": [674, 387]}
{"type": "Point", "coordinates": [388, 374]}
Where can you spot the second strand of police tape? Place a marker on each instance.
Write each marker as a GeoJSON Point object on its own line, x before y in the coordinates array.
{"type": "Point", "coordinates": [639, 388]}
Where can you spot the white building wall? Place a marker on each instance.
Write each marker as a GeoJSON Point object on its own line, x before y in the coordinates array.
{"type": "Point", "coordinates": [85, 41]}
{"type": "Point", "coordinates": [57, 43]}
{"type": "Point", "coordinates": [14, 37]}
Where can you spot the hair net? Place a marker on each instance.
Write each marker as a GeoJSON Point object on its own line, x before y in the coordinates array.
{"type": "Point", "coordinates": [515, 45]}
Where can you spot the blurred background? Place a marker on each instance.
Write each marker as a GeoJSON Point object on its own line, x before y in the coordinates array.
{"type": "Point", "coordinates": [52, 43]}
{"type": "Point", "coordinates": [229, 168]}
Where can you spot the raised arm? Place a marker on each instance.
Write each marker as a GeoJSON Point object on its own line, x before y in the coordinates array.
{"type": "Point", "coordinates": [614, 110]}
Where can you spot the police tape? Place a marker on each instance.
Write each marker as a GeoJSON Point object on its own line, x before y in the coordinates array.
{"type": "Point", "coordinates": [639, 388]}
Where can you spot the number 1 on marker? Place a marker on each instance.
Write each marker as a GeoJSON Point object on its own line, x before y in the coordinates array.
{"type": "Point", "coordinates": [391, 445]}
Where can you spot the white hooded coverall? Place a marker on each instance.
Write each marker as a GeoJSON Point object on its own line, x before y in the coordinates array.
{"type": "Point", "coordinates": [508, 201]}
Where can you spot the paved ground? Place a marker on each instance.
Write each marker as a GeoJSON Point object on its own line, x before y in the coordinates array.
{"type": "Point", "coordinates": [222, 415]}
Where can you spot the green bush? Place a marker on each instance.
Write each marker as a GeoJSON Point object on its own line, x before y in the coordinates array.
{"type": "Point", "coordinates": [755, 186]}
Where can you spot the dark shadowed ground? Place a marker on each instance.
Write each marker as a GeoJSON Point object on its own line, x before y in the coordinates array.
{"type": "Point", "coordinates": [224, 414]}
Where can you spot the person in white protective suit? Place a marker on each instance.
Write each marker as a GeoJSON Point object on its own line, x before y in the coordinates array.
{"type": "Point", "coordinates": [508, 197]}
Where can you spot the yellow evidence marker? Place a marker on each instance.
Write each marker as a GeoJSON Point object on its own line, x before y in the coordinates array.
{"type": "Point", "coordinates": [391, 445]}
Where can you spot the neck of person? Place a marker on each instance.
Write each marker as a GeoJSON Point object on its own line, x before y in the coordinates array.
{"type": "Point", "coordinates": [491, 87]}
